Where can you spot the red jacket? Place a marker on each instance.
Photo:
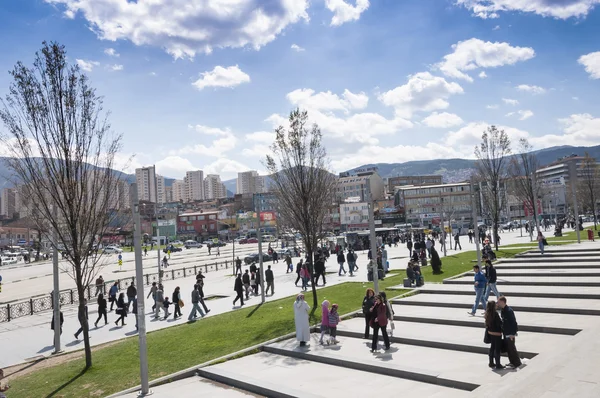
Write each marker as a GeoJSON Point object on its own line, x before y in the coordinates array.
{"type": "Point", "coordinates": [380, 315]}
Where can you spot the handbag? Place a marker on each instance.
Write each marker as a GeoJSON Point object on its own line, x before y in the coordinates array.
{"type": "Point", "coordinates": [544, 242]}
{"type": "Point", "coordinates": [486, 337]}
{"type": "Point", "coordinates": [180, 303]}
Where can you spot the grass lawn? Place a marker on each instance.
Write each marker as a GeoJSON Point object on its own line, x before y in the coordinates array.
{"type": "Point", "coordinates": [116, 366]}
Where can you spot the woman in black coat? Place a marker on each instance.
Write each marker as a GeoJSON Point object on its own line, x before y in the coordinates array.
{"type": "Point", "coordinates": [367, 304]}
{"type": "Point", "coordinates": [493, 327]}
{"type": "Point", "coordinates": [436, 262]}
{"type": "Point", "coordinates": [101, 310]}
{"type": "Point", "coordinates": [121, 310]}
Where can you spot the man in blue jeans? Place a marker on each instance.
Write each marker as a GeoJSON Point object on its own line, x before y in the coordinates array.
{"type": "Point", "coordinates": [480, 283]}
{"type": "Point", "coordinates": [490, 276]}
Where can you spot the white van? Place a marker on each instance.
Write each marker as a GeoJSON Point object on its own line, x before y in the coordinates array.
{"type": "Point", "coordinates": [189, 244]}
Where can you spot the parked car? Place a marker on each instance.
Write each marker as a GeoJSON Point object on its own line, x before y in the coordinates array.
{"type": "Point", "coordinates": [252, 240]}
{"type": "Point", "coordinates": [253, 258]}
{"type": "Point", "coordinates": [177, 243]}
{"type": "Point", "coordinates": [112, 250]}
{"type": "Point", "coordinates": [192, 244]}
{"type": "Point", "coordinates": [285, 252]}
{"type": "Point", "coordinates": [172, 248]}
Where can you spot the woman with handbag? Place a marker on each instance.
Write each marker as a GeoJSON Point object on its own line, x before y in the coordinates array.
{"type": "Point", "coordinates": [493, 329]}
{"type": "Point", "coordinates": [121, 310]}
{"type": "Point", "coordinates": [541, 241]}
{"type": "Point", "coordinates": [379, 321]}
{"type": "Point", "coordinates": [177, 302]}
{"type": "Point", "coordinates": [389, 313]}
{"type": "Point", "coordinates": [367, 304]}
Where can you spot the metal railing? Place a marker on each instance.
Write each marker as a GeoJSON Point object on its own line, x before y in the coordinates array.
{"type": "Point", "coordinates": [41, 303]}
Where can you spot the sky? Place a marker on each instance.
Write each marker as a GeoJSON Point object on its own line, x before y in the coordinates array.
{"type": "Point", "coordinates": [202, 84]}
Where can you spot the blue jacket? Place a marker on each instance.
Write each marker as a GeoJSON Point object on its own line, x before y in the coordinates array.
{"type": "Point", "coordinates": [480, 277]}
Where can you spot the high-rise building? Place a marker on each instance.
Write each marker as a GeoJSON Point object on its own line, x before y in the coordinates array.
{"type": "Point", "coordinates": [179, 191]}
{"type": "Point", "coordinates": [160, 189]}
{"type": "Point", "coordinates": [168, 194]}
{"type": "Point", "coordinates": [146, 182]}
{"type": "Point", "coordinates": [261, 184]}
{"type": "Point", "coordinates": [245, 182]}
{"type": "Point", "coordinates": [213, 187]}
{"type": "Point", "coordinates": [8, 202]}
{"type": "Point", "coordinates": [194, 182]}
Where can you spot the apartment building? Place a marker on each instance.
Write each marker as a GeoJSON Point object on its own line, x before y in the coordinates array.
{"type": "Point", "coordinates": [179, 191]}
{"type": "Point", "coordinates": [367, 186]}
{"type": "Point", "coordinates": [194, 184]}
{"type": "Point", "coordinates": [146, 183]}
{"type": "Point", "coordinates": [401, 181]}
{"type": "Point", "coordinates": [213, 187]}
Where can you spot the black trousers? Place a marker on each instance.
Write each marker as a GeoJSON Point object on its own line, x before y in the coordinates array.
{"type": "Point", "coordinates": [320, 274]}
{"type": "Point", "coordinates": [297, 278]}
{"type": "Point", "coordinates": [386, 339]}
{"type": "Point", "coordinates": [100, 315]}
{"type": "Point", "coordinates": [177, 311]}
{"type": "Point", "coordinates": [367, 324]}
{"type": "Point", "coordinates": [513, 354]}
{"type": "Point", "coordinates": [495, 347]}
{"type": "Point", "coordinates": [240, 296]}
{"type": "Point", "coordinates": [203, 305]}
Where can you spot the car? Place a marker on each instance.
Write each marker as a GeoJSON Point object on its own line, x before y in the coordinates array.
{"type": "Point", "coordinates": [177, 243]}
{"type": "Point", "coordinates": [112, 250]}
{"type": "Point", "coordinates": [192, 244]}
{"type": "Point", "coordinates": [285, 252]}
{"type": "Point", "coordinates": [172, 249]}
{"type": "Point", "coordinates": [253, 258]}
{"type": "Point", "coordinates": [252, 240]}
{"type": "Point", "coordinates": [242, 241]}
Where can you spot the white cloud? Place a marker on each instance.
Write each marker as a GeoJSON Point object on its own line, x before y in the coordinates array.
{"type": "Point", "coordinates": [482, 75]}
{"type": "Point", "coordinates": [328, 101]}
{"type": "Point", "coordinates": [226, 168]}
{"type": "Point", "coordinates": [579, 130]}
{"type": "Point", "coordinates": [560, 9]}
{"type": "Point", "coordinates": [116, 67]}
{"type": "Point", "coordinates": [575, 98]}
{"type": "Point", "coordinates": [111, 52]}
{"type": "Point", "coordinates": [492, 106]}
{"type": "Point", "coordinates": [222, 77]}
{"type": "Point", "coordinates": [497, 27]}
{"type": "Point", "coordinates": [297, 48]}
{"type": "Point", "coordinates": [174, 166]}
{"type": "Point", "coordinates": [509, 101]}
{"type": "Point", "coordinates": [591, 62]}
{"type": "Point", "coordinates": [442, 120]}
{"type": "Point", "coordinates": [356, 101]}
{"type": "Point", "coordinates": [187, 27]}
{"type": "Point", "coordinates": [422, 92]}
{"type": "Point", "coordinates": [223, 141]}
{"type": "Point", "coordinates": [87, 66]}
{"type": "Point", "coordinates": [525, 114]}
{"type": "Point", "coordinates": [531, 89]}
{"type": "Point", "coordinates": [473, 54]}
{"type": "Point", "coordinates": [344, 12]}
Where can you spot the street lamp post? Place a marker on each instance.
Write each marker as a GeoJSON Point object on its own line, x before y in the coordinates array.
{"type": "Point", "coordinates": [573, 173]}
{"type": "Point", "coordinates": [373, 240]}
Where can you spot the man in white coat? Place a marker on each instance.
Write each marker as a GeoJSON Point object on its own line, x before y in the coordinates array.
{"type": "Point", "coordinates": [301, 310]}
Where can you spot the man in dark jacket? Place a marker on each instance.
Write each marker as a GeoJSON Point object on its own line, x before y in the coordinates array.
{"type": "Point", "coordinates": [195, 307]}
{"type": "Point", "coordinates": [239, 289]}
{"type": "Point", "coordinates": [320, 270]}
{"type": "Point", "coordinates": [270, 279]}
{"type": "Point", "coordinates": [351, 261]}
{"type": "Point", "coordinates": [238, 266]}
{"type": "Point", "coordinates": [131, 293]}
{"type": "Point", "coordinates": [246, 283]}
{"type": "Point", "coordinates": [509, 329]}
{"type": "Point", "coordinates": [490, 276]}
{"type": "Point", "coordinates": [409, 246]}
{"type": "Point", "coordinates": [298, 268]}
{"type": "Point", "coordinates": [201, 298]}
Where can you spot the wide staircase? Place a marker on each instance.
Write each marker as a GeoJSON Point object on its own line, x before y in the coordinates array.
{"type": "Point", "coordinates": [437, 347]}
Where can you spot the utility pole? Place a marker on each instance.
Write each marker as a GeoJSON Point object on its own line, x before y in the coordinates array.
{"type": "Point", "coordinates": [476, 229]}
{"type": "Point", "coordinates": [139, 281]}
{"type": "Point", "coordinates": [260, 260]}
{"type": "Point", "coordinates": [157, 229]}
{"type": "Point", "coordinates": [573, 178]}
{"type": "Point", "coordinates": [442, 222]}
{"type": "Point", "coordinates": [373, 240]}
{"type": "Point", "coordinates": [535, 199]}
{"type": "Point", "coordinates": [56, 292]}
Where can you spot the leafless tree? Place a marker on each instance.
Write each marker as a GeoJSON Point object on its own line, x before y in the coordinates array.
{"type": "Point", "coordinates": [63, 154]}
{"type": "Point", "coordinates": [302, 184]}
{"type": "Point", "coordinates": [523, 184]}
{"type": "Point", "coordinates": [589, 184]}
{"type": "Point", "coordinates": [492, 155]}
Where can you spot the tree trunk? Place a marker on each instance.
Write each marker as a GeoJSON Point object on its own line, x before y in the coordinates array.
{"type": "Point", "coordinates": [312, 277]}
{"type": "Point", "coordinates": [81, 316]}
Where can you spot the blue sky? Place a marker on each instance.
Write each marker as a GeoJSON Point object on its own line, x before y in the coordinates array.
{"type": "Point", "coordinates": [202, 83]}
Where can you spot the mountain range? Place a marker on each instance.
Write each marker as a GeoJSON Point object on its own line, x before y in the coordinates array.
{"type": "Point", "coordinates": [451, 170]}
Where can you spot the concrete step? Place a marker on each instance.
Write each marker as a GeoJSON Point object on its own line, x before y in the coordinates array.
{"type": "Point", "coordinates": [555, 253]}
{"type": "Point", "coordinates": [555, 259]}
{"type": "Point", "coordinates": [196, 386]}
{"type": "Point", "coordinates": [284, 377]}
{"type": "Point", "coordinates": [427, 365]}
{"type": "Point", "coordinates": [571, 249]}
{"type": "Point", "coordinates": [453, 338]}
{"type": "Point", "coordinates": [584, 293]}
{"type": "Point", "coordinates": [530, 322]}
{"type": "Point", "coordinates": [547, 266]}
{"type": "Point", "coordinates": [591, 281]}
{"type": "Point", "coordinates": [518, 304]}
{"type": "Point", "coordinates": [571, 271]}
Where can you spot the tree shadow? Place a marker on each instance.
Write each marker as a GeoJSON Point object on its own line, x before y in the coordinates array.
{"type": "Point", "coordinates": [66, 384]}
{"type": "Point", "coordinates": [254, 310]}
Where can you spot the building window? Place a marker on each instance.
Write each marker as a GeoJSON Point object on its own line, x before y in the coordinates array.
{"type": "Point", "coordinates": [200, 218]}
{"type": "Point", "coordinates": [183, 218]}
{"type": "Point", "coordinates": [212, 217]}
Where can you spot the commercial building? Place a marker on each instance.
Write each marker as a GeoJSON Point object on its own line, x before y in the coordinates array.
{"type": "Point", "coordinates": [214, 188]}
{"type": "Point", "coordinates": [365, 186]}
{"type": "Point", "coordinates": [354, 215]}
{"type": "Point", "coordinates": [264, 201]}
{"type": "Point", "coordinates": [146, 183]}
{"type": "Point", "coordinates": [194, 185]}
{"type": "Point", "coordinates": [401, 181]}
{"type": "Point", "coordinates": [203, 223]}
{"type": "Point", "coordinates": [423, 207]}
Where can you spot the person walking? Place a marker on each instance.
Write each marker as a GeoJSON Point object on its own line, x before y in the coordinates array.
{"type": "Point", "coordinates": [101, 310]}
{"type": "Point", "coordinates": [238, 287]}
{"type": "Point", "coordinates": [428, 246]}
{"type": "Point", "coordinates": [491, 277]}
{"type": "Point", "coordinates": [78, 332]}
{"type": "Point", "coordinates": [288, 262]}
{"type": "Point", "coordinates": [200, 287]}
{"type": "Point", "coordinates": [334, 320]}
{"type": "Point", "coordinates": [134, 312]}
{"type": "Point", "coordinates": [457, 241]}
{"type": "Point", "coordinates": [131, 293]}
{"type": "Point", "coordinates": [479, 284]}
{"type": "Point", "coordinates": [541, 241]}
{"type": "Point", "coordinates": [509, 329]}
{"type": "Point", "coordinates": [99, 286]}
{"type": "Point", "coordinates": [367, 304]}
{"type": "Point", "coordinates": [176, 297]}
{"type": "Point", "coordinates": [409, 246]}
{"type": "Point", "coordinates": [379, 321]}
{"type": "Point", "coordinates": [195, 306]}
{"type": "Point", "coordinates": [270, 279]}
{"type": "Point", "coordinates": [160, 298]}
{"type": "Point", "coordinates": [304, 274]}
{"type": "Point", "coordinates": [238, 266]}
{"type": "Point", "coordinates": [145, 251]}
{"type": "Point", "coordinates": [165, 262]}
{"type": "Point", "coordinates": [298, 269]}
{"type": "Point", "coordinates": [152, 293]}
{"type": "Point", "coordinates": [301, 314]}
{"type": "Point", "coordinates": [493, 327]}
{"type": "Point", "coordinates": [320, 270]}
{"type": "Point", "coordinates": [351, 262]}
{"type": "Point", "coordinates": [112, 294]}
{"type": "Point", "coordinates": [121, 310]}
{"type": "Point", "coordinates": [341, 259]}
{"type": "Point", "coordinates": [246, 282]}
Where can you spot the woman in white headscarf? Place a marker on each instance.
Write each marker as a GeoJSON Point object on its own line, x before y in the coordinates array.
{"type": "Point", "coordinates": [301, 310]}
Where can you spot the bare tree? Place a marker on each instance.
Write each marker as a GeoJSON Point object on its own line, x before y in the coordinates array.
{"type": "Point", "coordinates": [590, 184]}
{"type": "Point", "coordinates": [492, 156]}
{"type": "Point", "coordinates": [63, 154]}
{"type": "Point", "coordinates": [522, 169]}
{"type": "Point", "coordinates": [302, 185]}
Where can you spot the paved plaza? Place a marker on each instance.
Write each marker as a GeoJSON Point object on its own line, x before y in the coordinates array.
{"type": "Point", "coordinates": [437, 348]}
